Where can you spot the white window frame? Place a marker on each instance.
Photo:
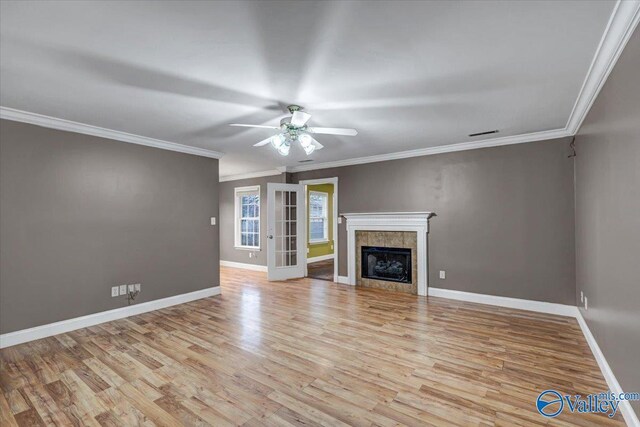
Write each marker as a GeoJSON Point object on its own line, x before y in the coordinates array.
{"type": "Point", "coordinates": [237, 217]}
{"type": "Point", "coordinates": [326, 217]}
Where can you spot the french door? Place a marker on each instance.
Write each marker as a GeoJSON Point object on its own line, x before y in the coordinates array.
{"type": "Point", "coordinates": [286, 257]}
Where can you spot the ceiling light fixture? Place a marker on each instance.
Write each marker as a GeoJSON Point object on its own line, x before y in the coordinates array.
{"type": "Point", "coordinates": [294, 128]}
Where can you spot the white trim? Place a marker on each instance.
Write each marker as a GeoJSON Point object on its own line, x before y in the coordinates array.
{"type": "Point", "coordinates": [334, 181]}
{"type": "Point", "coordinates": [250, 175]}
{"type": "Point", "coordinates": [522, 304]}
{"type": "Point", "coordinates": [69, 126]}
{"type": "Point", "coordinates": [471, 145]}
{"type": "Point", "coordinates": [319, 258]}
{"type": "Point", "coordinates": [625, 406]}
{"type": "Point", "coordinates": [417, 222]}
{"type": "Point", "coordinates": [343, 280]}
{"type": "Point", "coordinates": [252, 267]}
{"type": "Point", "coordinates": [43, 331]}
{"type": "Point", "coordinates": [623, 21]}
{"type": "Point", "coordinates": [236, 218]}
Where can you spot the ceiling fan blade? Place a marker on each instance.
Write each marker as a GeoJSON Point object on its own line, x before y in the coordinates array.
{"type": "Point", "coordinates": [317, 144]}
{"type": "Point", "coordinates": [263, 142]}
{"type": "Point", "coordinates": [334, 131]}
{"type": "Point", "coordinates": [254, 126]}
{"type": "Point", "coordinates": [299, 118]}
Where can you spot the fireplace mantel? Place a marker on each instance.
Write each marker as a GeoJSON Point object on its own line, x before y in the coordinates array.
{"type": "Point", "coordinates": [390, 221]}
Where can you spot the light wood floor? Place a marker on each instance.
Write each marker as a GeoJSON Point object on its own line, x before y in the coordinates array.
{"type": "Point", "coordinates": [303, 353]}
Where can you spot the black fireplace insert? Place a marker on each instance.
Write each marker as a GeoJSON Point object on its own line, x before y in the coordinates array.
{"type": "Point", "coordinates": [390, 264]}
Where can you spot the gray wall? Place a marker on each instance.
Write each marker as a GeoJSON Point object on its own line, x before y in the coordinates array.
{"type": "Point", "coordinates": [79, 214]}
{"type": "Point", "coordinates": [505, 220]}
{"type": "Point", "coordinates": [608, 218]}
{"type": "Point", "coordinates": [227, 211]}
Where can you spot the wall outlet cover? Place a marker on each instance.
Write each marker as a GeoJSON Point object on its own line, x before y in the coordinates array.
{"type": "Point", "coordinates": [123, 289]}
{"type": "Point", "coordinates": [213, 220]}
{"type": "Point", "coordinates": [137, 287]}
{"type": "Point", "coordinates": [115, 291]}
{"type": "Point", "coordinates": [443, 274]}
{"type": "Point", "coordinates": [131, 288]}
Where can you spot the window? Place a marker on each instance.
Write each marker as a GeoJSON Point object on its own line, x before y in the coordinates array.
{"type": "Point", "coordinates": [247, 219]}
{"type": "Point", "coordinates": [318, 222]}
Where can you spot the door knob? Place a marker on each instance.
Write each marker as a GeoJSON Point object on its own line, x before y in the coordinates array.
{"type": "Point", "coordinates": [269, 236]}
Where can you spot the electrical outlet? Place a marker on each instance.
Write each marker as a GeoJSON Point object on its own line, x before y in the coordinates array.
{"type": "Point", "coordinates": [123, 289]}
{"type": "Point", "coordinates": [250, 254]}
{"type": "Point", "coordinates": [586, 304]}
{"type": "Point", "coordinates": [213, 220]}
{"type": "Point", "coordinates": [114, 291]}
{"type": "Point", "coordinates": [443, 274]}
{"type": "Point", "coordinates": [581, 296]}
{"type": "Point", "coordinates": [137, 287]}
{"type": "Point", "coordinates": [131, 288]}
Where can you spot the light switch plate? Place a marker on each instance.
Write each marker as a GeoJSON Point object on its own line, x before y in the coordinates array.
{"type": "Point", "coordinates": [114, 291]}
{"type": "Point", "coordinates": [123, 289]}
{"type": "Point", "coordinates": [586, 304]}
{"type": "Point", "coordinates": [581, 296]}
{"type": "Point", "coordinates": [339, 220]}
{"type": "Point", "coordinates": [137, 287]}
{"type": "Point", "coordinates": [213, 220]}
{"type": "Point", "coordinates": [443, 274]}
{"type": "Point", "coordinates": [131, 288]}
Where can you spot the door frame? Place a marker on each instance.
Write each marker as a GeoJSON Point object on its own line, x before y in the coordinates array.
{"type": "Point", "coordinates": [306, 183]}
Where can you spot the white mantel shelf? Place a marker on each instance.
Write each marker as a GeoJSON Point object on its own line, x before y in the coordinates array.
{"type": "Point", "coordinates": [390, 221]}
{"type": "Point", "coordinates": [426, 215]}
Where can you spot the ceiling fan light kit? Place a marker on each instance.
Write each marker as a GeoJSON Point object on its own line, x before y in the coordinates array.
{"type": "Point", "coordinates": [295, 128]}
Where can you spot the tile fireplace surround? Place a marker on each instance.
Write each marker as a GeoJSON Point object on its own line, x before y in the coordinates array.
{"type": "Point", "coordinates": [389, 229]}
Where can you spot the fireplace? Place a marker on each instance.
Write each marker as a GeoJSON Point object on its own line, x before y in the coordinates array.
{"type": "Point", "coordinates": [388, 264]}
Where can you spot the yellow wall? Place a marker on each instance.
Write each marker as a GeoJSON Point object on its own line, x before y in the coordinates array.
{"type": "Point", "coordinates": [319, 249]}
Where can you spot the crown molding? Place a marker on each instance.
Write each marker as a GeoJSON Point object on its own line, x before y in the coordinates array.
{"type": "Point", "coordinates": [69, 126]}
{"type": "Point", "coordinates": [463, 146]}
{"type": "Point", "coordinates": [237, 177]}
{"type": "Point", "coordinates": [623, 21]}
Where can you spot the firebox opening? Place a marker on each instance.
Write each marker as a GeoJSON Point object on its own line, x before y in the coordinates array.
{"type": "Point", "coordinates": [390, 264]}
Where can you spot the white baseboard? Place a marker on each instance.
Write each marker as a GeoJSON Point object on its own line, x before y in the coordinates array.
{"type": "Point", "coordinates": [253, 267]}
{"type": "Point", "coordinates": [344, 280]}
{"type": "Point", "coordinates": [625, 406]}
{"type": "Point", "coordinates": [319, 258]}
{"type": "Point", "coordinates": [522, 304]}
{"type": "Point", "coordinates": [43, 331]}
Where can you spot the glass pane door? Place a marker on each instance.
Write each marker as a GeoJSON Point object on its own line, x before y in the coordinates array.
{"type": "Point", "coordinates": [285, 217]}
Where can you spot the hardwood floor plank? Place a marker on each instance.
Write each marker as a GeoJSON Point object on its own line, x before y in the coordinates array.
{"type": "Point", "coordinates": [303, 352]}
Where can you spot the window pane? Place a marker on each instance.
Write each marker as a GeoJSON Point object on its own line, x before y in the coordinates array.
{"type": "Point", "coordinates": [248, 220]}
{"type": "Point", "coordinates": [316, 231]}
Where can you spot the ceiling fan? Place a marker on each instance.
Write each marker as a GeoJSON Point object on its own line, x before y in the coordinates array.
{"type": "Point", "coordinates": [295, 128]}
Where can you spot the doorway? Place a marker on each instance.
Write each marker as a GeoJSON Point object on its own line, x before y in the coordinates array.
{"type": "Point", "coordinates": [321, 228]}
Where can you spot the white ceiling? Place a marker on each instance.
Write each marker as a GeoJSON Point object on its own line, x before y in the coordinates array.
{"type": "Point", "coordinates": [407, 75]}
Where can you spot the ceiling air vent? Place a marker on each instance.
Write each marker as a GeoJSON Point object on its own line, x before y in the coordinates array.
{"type": "Point", "coordinates": [489, 132]}
{"type": "Point", "coordinates": [305, 161]}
